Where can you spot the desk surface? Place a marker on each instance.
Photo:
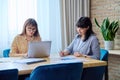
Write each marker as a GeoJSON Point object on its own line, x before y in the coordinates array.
{"type": "Point", "coordinates": [8, 63]}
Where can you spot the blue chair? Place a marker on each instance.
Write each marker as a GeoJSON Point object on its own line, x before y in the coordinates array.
{"type": "Point", "coordinates": [11, 74]}
{"type": "Point", "coordinates": [96, 73]}
{"type": "Point", "coordinates": [93, 73]}
{"type": "Point", "coordinates": [104, 57]}
{"type": "Point", "coordinates": [6, 52]}
{"type": "Point", "coordinates": [64, 71]}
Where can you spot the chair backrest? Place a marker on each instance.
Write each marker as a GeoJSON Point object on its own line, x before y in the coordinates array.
{"type": "Point", "coordinates": [11, 74]}
{"type": "Point", "coordinates": [96, 73]}
{"type": "Point", "coordinates": [64, 71]}
{"type": "Point", "coordinates": [104, 57]}
{"type": "Point", "coordinates": [93, 73]}
{"type": "Point", "coordinates": [6, 52]}
{"type": "Point", "coordinates": [103, 54]}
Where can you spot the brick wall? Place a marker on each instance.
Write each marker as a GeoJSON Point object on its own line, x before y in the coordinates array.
{"type": "Point", "coordinates": [101, 9]}
{"type": "Point", "coordinates": [114, 67]}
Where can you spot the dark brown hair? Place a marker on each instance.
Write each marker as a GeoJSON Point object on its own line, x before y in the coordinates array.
{"type": "Point", "coordinates": [85, 22]}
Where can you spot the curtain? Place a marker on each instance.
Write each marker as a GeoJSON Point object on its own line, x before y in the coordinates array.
{"type": "Point", "coordinates": [49, 22]}
{"type": "Point", "coordinates": [56, 20]}
{"type": "Point", "coordinates": [71, 11]}
{"type": "Point", "coordinates": [13, 14]}
{"type": "Point", "coordinates": [3, 24]}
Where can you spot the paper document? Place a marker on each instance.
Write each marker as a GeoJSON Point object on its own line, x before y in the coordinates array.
{"type": "Point", "coordinates": [68, 59]}
{"type": "Point", "coordinates": [30, 60]}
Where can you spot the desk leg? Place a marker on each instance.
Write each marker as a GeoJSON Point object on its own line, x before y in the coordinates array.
{"type": "Point", "coordinates": [106, 73]}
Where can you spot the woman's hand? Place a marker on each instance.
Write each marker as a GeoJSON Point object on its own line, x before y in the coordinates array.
{"type": "Point", "coordinates": [77, 54]}
{"type": "Point", "coordinates": [63, 53]}
{"type": "Point", "coordinates": [25, 55]}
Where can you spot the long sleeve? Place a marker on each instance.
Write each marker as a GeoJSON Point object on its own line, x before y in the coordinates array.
{"type": "Point", "coordinates": [95, 49]}
{"type": "Point", "coordinates": [19, 45]}
{"type": "Point", "coordinates": [14, 48]}
{"type": "Point", "coordinates": [89, 47]}
{"type": "Point", "coordinates": [70, 47]}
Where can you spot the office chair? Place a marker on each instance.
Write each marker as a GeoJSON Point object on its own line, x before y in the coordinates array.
{"type": "Point", "coordinates": [6, 52]}
{"type": "Point", "coordinates": [93, 73]}
{"type": "Point", "coordinates": [96, 73]}
{"type": "Point", "coordinates": [11, 74]}
{"type": "Point", "coordinates": [63, 71]}
{"type": "Point", "coordinates": [104, 57]}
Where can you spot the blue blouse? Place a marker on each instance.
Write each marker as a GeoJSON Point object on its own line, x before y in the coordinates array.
{"type": "Point", "coordinates": [89, 47]}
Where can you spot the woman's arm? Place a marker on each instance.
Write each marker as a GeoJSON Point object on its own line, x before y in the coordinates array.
{"type": "Point", "coordinates": [95, 49]}
{"type": "Point", "coordinates": [64, 53]}
{"type": "Point", "coordinates": [14, 52]}
{"type": "Point", "coordinates": [69, 49]}
{"type": "Point", "coordinates": [18, 55]}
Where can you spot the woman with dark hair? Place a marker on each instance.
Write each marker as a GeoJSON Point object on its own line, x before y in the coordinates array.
{"type": "Point", "coordinates": [20, 43]}
{"type": "Point", "coordinates": [85, 42]}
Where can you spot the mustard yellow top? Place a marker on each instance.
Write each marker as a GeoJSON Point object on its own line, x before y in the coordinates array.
{"type": "Point", "coordinates": [20, 45]}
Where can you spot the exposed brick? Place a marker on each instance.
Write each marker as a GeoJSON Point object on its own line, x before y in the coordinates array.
{"type": "Point", "coordinates": [114, 67]}
{"type": "Point", "coordinates": [101, 9]}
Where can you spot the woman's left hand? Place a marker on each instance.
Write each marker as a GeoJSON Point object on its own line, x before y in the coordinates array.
{"type": "Point", "coordinates": [25, 55]}
{"type": "Point", "coordinates": [77, 54]}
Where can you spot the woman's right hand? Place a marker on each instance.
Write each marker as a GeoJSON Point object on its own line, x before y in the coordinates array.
{"type": "Point", "coordinates": [63, 53]}
{"type": "Point", "coordinates": [25, 55]}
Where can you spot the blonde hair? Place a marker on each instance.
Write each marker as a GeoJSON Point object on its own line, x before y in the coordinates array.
{"type": "Point", "coordinates": [32, 22]}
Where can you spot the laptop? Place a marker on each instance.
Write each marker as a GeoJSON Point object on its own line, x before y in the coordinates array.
{"type": "Point", "coordinates": [39, 49]}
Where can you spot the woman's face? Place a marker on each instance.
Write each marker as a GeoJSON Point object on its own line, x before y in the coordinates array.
{"type": "Point", "coordinates": [30, 30]}
{"type": "Point", "coordinates": [82, 31]}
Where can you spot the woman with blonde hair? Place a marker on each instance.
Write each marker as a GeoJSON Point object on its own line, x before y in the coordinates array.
{"type": "Point", "coordinates": [30, 33]}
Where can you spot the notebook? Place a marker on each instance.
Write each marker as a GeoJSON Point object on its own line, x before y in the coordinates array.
{"type": "Point", "coordinates": [29, 60]}
{"type": "Point", "coordinates": [39, 49]}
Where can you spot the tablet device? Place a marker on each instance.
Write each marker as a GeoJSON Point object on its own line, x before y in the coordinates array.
{"type": "Point", "coordinates": [39, 49]}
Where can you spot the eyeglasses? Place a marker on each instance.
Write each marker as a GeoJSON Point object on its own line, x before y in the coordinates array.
{"type": "Point", "coordinates": [31, 29]}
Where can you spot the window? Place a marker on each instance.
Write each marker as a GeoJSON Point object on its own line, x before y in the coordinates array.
{"type": "Point", "coordinates": [13, 14]}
